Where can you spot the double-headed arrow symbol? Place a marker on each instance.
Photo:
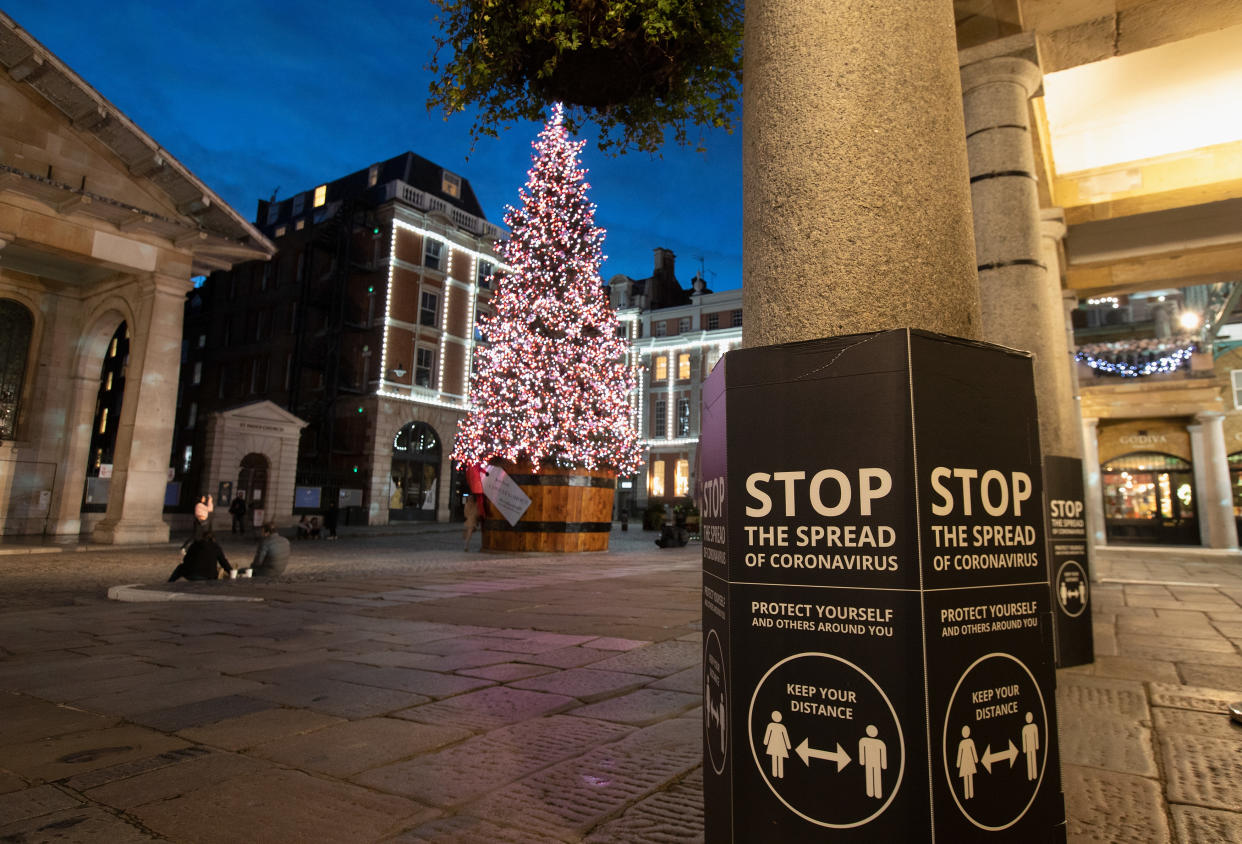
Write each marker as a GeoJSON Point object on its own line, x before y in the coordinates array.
{"type": "Point", "coordinates": [805, 752]}
{"type": "Point", "coordinates": [989, 757]}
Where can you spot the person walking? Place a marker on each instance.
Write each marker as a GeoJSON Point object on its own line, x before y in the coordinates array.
{"type": "Point", "coordinates": [238, 511]}
{"type": "Point", "coordinates": [202, 557]}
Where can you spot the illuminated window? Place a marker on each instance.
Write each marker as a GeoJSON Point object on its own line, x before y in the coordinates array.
{"type": "Point", "coordinates": [186, 458]}
{"type": "Point", "coordinates": [196, 378]}
{"type": "Point", "coordinates": [112, 348]}
{"type": "Point", "coordinates": [202, 341]}
{"type": "Point", "coordinates": [659, 418]}
{"type": "Point", "coordinates": [191, 418]}
{"type": "Point", "coordinates": [299, 225]}
{"type": "Point", "coordinates": [108, 382]}
{"type": "Point", "coordinates": [655, 486]}
{"type": "Point", "coordinates": [431, 253]}
{"type": "Point", "coordinates": [103, 421]}
{"type": "Point", "coordinates": [484, 278]}
{"type": "Point", "coordinates": [321, 195]}
{"type": "Point", "coordinates": [683, 366]}
{"type": "Point", "coordinates": [373, 176]}
{"type": "Point", "coordinates": [280, 231]}
{"type": "Point", "coordinates": [661, 368]}
{"type": "Point", "coordinates": [683, 418]}
{"type": "Point", "coordinates": [681, 479]}
{"type": "Point", "coordinates": [451, 185]}
{"type": "Point", "coordinates": [1235, 378]}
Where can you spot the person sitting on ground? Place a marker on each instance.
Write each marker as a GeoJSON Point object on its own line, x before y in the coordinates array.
{"type": "Point", "coordinates": [201, 558]}
{"type": "Point", "coordinates": [272, 555]}
{"type": "Point", "coordinates": [313, 532]}
{"type": "Point", "coordinates": [303, 527]}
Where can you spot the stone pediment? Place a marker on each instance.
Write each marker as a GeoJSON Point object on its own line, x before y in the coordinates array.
{"type": "Point", "coordinates": [264, 416]}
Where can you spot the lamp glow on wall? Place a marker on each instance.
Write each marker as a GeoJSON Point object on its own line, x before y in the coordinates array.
{"type": "Point", "coordinates": [1190, 320]}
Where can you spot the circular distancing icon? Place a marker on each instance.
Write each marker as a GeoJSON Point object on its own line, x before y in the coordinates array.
{"type": "Point", "coordinates": [1072, 588]}
{"type": "Point", "coordinates": [826, 740]}
{"type": "Point", "coordinates": [715, 707]}
{"type": "Point", "coordinates": [995, 741]}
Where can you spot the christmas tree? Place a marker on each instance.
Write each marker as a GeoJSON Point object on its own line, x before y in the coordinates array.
{"type": "Point", "coordinates": [552, 385]}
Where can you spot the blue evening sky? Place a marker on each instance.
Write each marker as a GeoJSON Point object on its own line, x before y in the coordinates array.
{"type": "Point", "coordinates": [264, 95]}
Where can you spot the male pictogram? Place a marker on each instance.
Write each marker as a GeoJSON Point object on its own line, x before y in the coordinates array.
{"type": "Point", "coordinates": [1030, 744]}
{"type": "Point", "coordinates": [873, 758]}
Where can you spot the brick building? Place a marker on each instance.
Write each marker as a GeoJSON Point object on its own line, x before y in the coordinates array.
{"type": "Point", "coordinates": [356, 340]}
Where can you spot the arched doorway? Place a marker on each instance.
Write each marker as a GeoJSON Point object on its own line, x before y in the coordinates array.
{"type": "Point", "coordinates": [415, 473]}
{"type": "Point", "coordinates": [16, 325]}
{"type": "Point", "coordinates": [1149, 499]}
{"type": "Point", "coordinates": [106, 420]}
{"type": "Point", "coordinates": [252, 487]}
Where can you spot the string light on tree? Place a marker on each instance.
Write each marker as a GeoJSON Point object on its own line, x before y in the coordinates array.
{"type": "Point", "coordinates": [552, 386]}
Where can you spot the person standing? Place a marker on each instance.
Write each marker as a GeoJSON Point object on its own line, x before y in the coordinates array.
{"type": "Point", "coordinates": [202, 516]}
{"type": "Point", "coordinates": [473, 506]}
{"type": "Point", "coordinates": [272, 555]}
{"type": "Point", "coordinates": [202, 556]}
{"type": "Point", "coordinates": [238, 511]}
{"type": "Point", "coordinates": [329, 519]}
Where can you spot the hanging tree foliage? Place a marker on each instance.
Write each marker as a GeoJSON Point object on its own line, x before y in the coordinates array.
{"type": "Point", "coordinates": [634, 67]}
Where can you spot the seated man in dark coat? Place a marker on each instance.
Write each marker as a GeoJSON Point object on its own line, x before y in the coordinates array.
{"type": "Point", "coordinates": [201, 558]}
{"type": "Point", "coordinates": [272, 555]}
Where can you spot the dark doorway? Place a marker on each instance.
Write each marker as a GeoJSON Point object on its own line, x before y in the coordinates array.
{"type": "Point", "coordinates": [415, 474]}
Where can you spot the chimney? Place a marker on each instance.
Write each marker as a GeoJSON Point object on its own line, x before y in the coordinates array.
{"type": "Point", "coordinates": [664, 261]}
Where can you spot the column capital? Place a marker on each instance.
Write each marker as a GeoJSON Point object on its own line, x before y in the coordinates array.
{"type": "Point", "coordinates": [1052, 223]}
{"type": "Point", "coordinates": [1209, 416]}
{"type": "Point", "coordinates": [1012, 69]}
{"type": "Point", "coordinates": [1090, 422]}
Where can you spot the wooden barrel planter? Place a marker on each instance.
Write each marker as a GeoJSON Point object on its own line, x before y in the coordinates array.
{"type": "Point", "coordinates": [570, 510]}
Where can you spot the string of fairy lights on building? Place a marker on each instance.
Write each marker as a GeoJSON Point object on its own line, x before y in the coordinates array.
{"type": "Point", "coordinates": [1111, 358]}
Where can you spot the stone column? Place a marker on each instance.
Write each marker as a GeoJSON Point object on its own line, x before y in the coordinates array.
{"type": "Point", "coordinates": [1217, 527]}
{"type": "Point", "coordinates": [1092, 488]}
{"type": "Point", "coordinates": [144, 435]}
{"type": "Point", "coordinates": [66, 515]}
{"type": "Point", "coordinates": [854, 181]}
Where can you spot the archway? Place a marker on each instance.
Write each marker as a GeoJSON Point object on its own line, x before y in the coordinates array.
{"type": "Point", "coordinates": [252, 487]}
{"type": "Point", "coordinates": [1149, 499]}
{"type": "Point", "coordinates": [415, 474]}
{"type": "Point", "coordinates": [16, 326]}
{"type": "Point", "coordinates": [105, 421]}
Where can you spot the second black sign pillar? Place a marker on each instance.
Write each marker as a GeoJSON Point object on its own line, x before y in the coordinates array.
{"type": "Point", "coordinates": [878, 657]}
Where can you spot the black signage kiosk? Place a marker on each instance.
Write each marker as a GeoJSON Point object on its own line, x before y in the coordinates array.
{"type": "Point", "coordinates": [1069, 571]}
{"type": "Point", "coordinates": [878, 657]}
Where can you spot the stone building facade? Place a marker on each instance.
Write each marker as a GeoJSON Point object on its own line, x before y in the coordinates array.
{"type": "Point", "coordinates": [101, 231]}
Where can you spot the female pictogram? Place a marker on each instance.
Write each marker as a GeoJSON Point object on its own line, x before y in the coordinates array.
{"type": "Point", "coordinates": [967, 763]}
{"type": "Point", "coordinates": [776, 743]}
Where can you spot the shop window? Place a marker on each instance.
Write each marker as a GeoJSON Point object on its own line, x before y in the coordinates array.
{"type": "Point", "coordinates": [683, 366]}
{"type": "Point", "coordinates": [681, 478]}
{"type": "Point", "coordinates": [661, 368]}
{"type": "Point", "coordinates": [1235, 482]}
{"type": "Point", "coordinates": [16, 325]}
{"type": "Point", "coordinates": [655, 485]}
{"type": "Point", "coordinates": [1149, 497]}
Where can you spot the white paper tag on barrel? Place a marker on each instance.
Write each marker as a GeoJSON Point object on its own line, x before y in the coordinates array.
{"type": "Point", "coordinates": [502, 491]}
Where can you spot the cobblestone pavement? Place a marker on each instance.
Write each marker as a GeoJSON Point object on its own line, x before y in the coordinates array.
{"type": "Point", "coordinates": [394, 688]}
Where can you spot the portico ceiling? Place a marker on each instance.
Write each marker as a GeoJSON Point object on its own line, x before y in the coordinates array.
{"type": "Point", "coordinates": [1137, 133]}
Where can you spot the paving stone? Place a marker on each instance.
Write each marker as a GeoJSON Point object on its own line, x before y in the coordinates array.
{"type": "Point", "coordinates": [645, 706]}
{"type": "Point", "coordinates": [1217, 724]}
{"type": "Point", "coordinates": [1106, 806]}
{"type": "Point", "coordinates": [507, 672]}
{"type": "Point", "coordinates": [68, 755]}
{"type": "Point", "coordinates": [259, 727]}
{"type": "Point", "coordinates": [200, 712]}
{"type": "Point", "coordinates": [1211, 676]}
{"type": "Point", "coordinates": [429, 684]}
{"type": "Point", "coordinates": [585, 684]}
{"type": "Point", "coordinates": [1110, 743]}
{"type": "Point", "coordinates": [569, 657]}
{"type": "Point", "coordinates": [459, 773]}
{"type": "Point", "coordinates": [1192, 697]}
{"type": "Point", "coordinates": [1182, 655]}
{"type": "Point", "coordinates": [347, 700]}
{"type": "Point", "coordinates": [66, 688]}
{"type": "Point", "coordinates": [671, 816]}
{"type": "Point", "coordinates": [33, 802]}
{"type": "Point", "coordinates": [1101, 696]}
{"type": "Point", "coordinates": [125, 770]}
{"type": "Point", "coordinates": [282, 807]}
{"type": "Point", "coordinates": [574, 796]}
{"type": "Point", "coordinates": [434, 662]}
{"type": "Point", "coordinates": [10, 782]}
{"type": "Point", "coordinates": [1124, 668]}
{"type": "Point", "coordinates": [1201, 770]}
{"type": "Point", "coordinates": [170, 781]}
{"type": "Point", "coordinates": [463, 829]}
{"type": "Point", "coordinates": [1193, 825]}
{"type": "Point", "coordinates": [612, 643]}
{"type": "Point", "coordinates": [354, 746]}
{"type": "Point", "coordinates": [488, 708]}
{"type": "Point", "coordinates": [24, 718]}
{"type": "Point", "coordinates": [1217, 644]}
{"type": "Point", "coordinates": [135, 701]}
{"type": "Point", "coordinates": [690, 681]}
{"type": "Point", "coordinates": [83, 825]}
{"type": "Point", "coordinates": [658, 660]}
{"type": "Point", "coordinates": [1187, 625]}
